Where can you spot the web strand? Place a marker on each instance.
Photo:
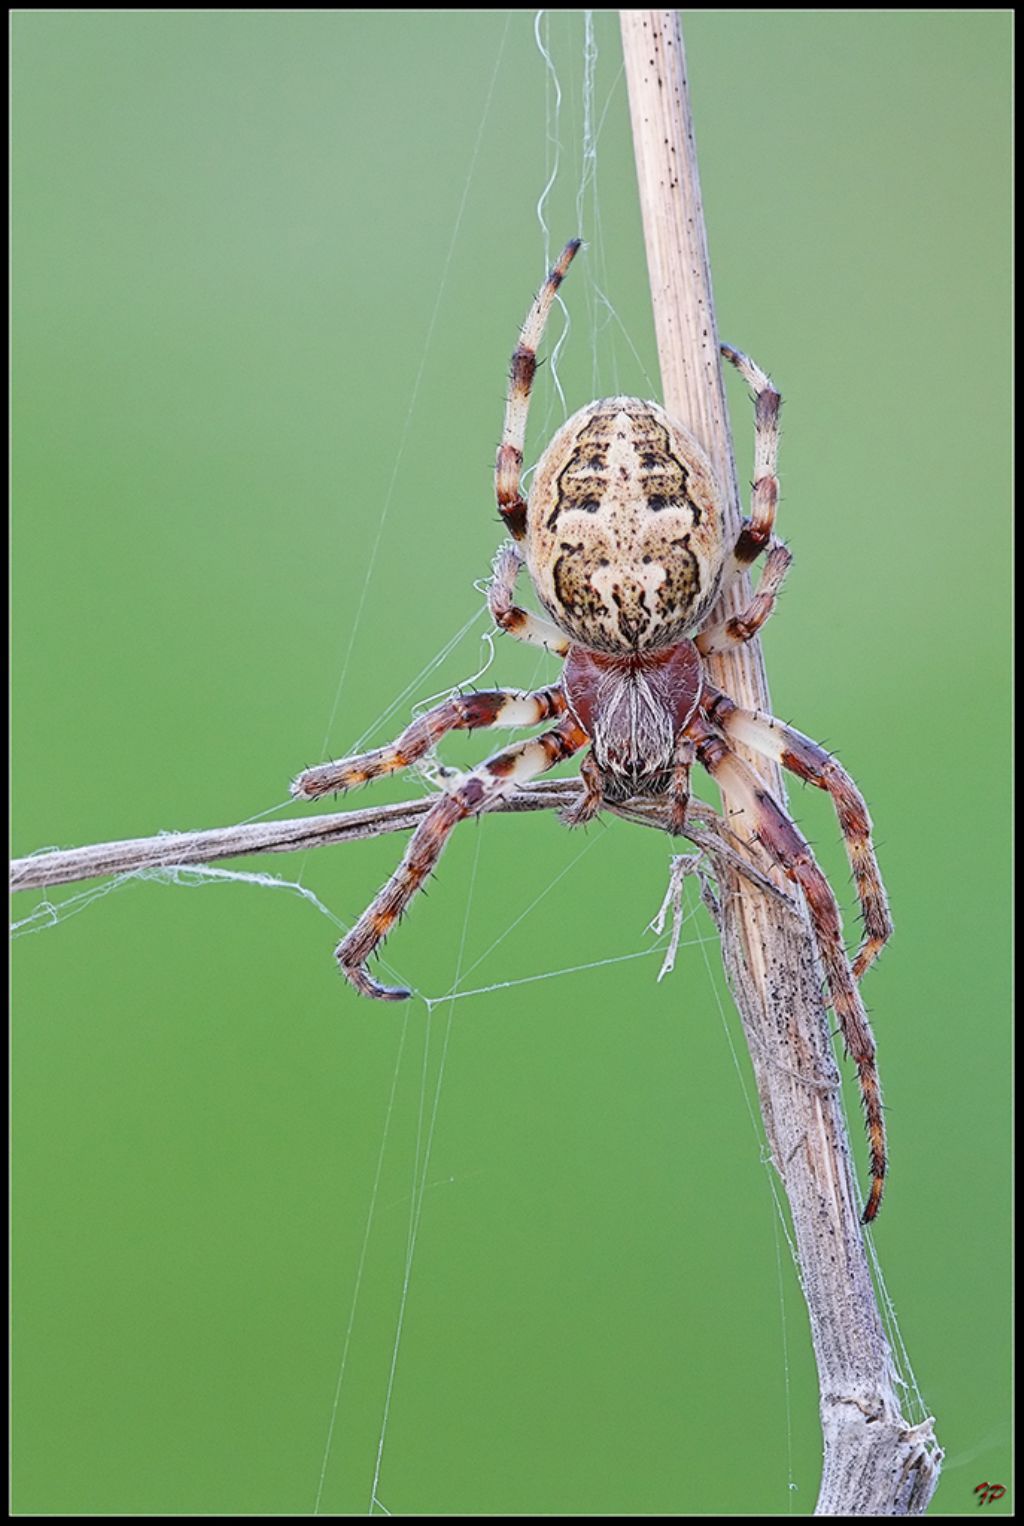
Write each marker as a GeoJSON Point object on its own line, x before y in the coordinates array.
{"type": "Point", "coordinates": [414, 395]}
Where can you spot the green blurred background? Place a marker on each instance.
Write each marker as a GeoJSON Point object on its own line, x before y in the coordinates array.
{"type": "Point", "coordinates": [268, 269]}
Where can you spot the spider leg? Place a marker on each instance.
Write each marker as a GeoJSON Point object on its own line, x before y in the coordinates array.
{"type": "Point", "coordinates": [589, 803]}
{"type": "Point", "coordinates": [520, 623]}
{"type": "Point", "coordinates": [480, 788]}
{"type": "Point", "coordinates": [779, 835]}
{"type": "Point", "coordinates": [812, 763]}
{"type": "Point", "coordinates": [679, 788]}
{"type": "Point", "coordinates": [509, 465]}
{"type": "Point", "coordinates": [724, 635]}
{"type": "Point", "coordinates": [463, 712]}
{"type": "Point", "coordinates": [757, 530]}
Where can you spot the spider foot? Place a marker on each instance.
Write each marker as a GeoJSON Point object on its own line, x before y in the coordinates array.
{"type": "Point", "coordinates": [679, 789]}
{"type": "Point", "coordinates": [325, 779]}
{"type": "Point", "coordinates": [874, 1201]}
{"type": "Point", "coordinates": [359, 976]}
{"type": "Point", "coordinates": [584, 811]}
{"type": "Point", "coordinates": [868, 953]}
{"type": "Point", "coordinates": [590, 802]}
{"type": "Point", "coordinates": [675, 823]}
{"type": "Point", "coordinates": [351, 954]}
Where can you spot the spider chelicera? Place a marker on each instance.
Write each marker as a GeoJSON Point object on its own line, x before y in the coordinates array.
{"type": "Point", "coordinates": [622, 538]}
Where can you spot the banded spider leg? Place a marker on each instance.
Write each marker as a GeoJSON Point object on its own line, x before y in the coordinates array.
{"type": "Point", "coordinates": [773, 827]}
{"type": "Point", "coordinates": [474, 793]}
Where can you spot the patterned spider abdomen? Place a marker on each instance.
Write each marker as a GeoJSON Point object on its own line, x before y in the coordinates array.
{"type": "Point", "coordinates": [624, 536]}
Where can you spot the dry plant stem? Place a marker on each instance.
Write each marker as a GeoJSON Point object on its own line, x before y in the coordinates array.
{"type": "Point", "coordinates": [178, 849]}
{"type": "Point", "coordinates": [874, 1462]}
{"type": "Point", "coordinates": [173, 849]}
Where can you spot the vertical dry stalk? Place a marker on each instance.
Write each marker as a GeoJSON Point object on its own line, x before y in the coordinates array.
{"type": "Point", "coordinates": [874, 1462]}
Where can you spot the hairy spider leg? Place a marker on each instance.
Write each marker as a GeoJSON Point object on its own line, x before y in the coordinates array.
{"type": "Point", "coordinates": [757, 530]}
{"type": "Point", "coordinates": [509, 466]}
{"type": "Point", "coordinates": [779, 835]}
{"type": "Point", "coordinates": [679, 789]}
{"type": "Point", "coordinates": [725, 635]}
{"type": "Point", "coordinates": [478, 790]}
{"type": "Point", "coordinates": [812, 763]}
{"type": "Point", "coordinates": [591, 800]}
{"type": "Point", "coordinates": [463, 712]}
{"type": "Point", "coordinates": [523, 624]}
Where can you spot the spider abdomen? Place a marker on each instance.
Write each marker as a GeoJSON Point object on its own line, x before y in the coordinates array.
{"type": "Point", "coordinates": [623, 536]}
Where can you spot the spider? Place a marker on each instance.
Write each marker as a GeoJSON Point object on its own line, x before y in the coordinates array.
{"type": "Point", "coordinates": [622, 538]}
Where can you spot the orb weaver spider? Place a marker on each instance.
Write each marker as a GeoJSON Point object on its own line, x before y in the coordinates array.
{"type": "Point", "coordinates": [623, 541]}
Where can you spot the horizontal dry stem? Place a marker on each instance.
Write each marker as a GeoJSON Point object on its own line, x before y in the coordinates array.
{"type": "Point", "coordinates": [175, 849]}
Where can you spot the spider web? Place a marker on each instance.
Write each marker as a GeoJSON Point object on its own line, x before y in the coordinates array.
{"type": "Point", "coordinates": [603, 325]}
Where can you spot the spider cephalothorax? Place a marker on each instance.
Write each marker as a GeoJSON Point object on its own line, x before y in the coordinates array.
{"type": "Point", "coordinates": [635, 709]}
{"type": "Point", "coordinates": [622, 537]}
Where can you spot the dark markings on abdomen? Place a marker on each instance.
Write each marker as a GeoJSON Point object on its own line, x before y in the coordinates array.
{"type": "Point", "coordinates": [583, 480]}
